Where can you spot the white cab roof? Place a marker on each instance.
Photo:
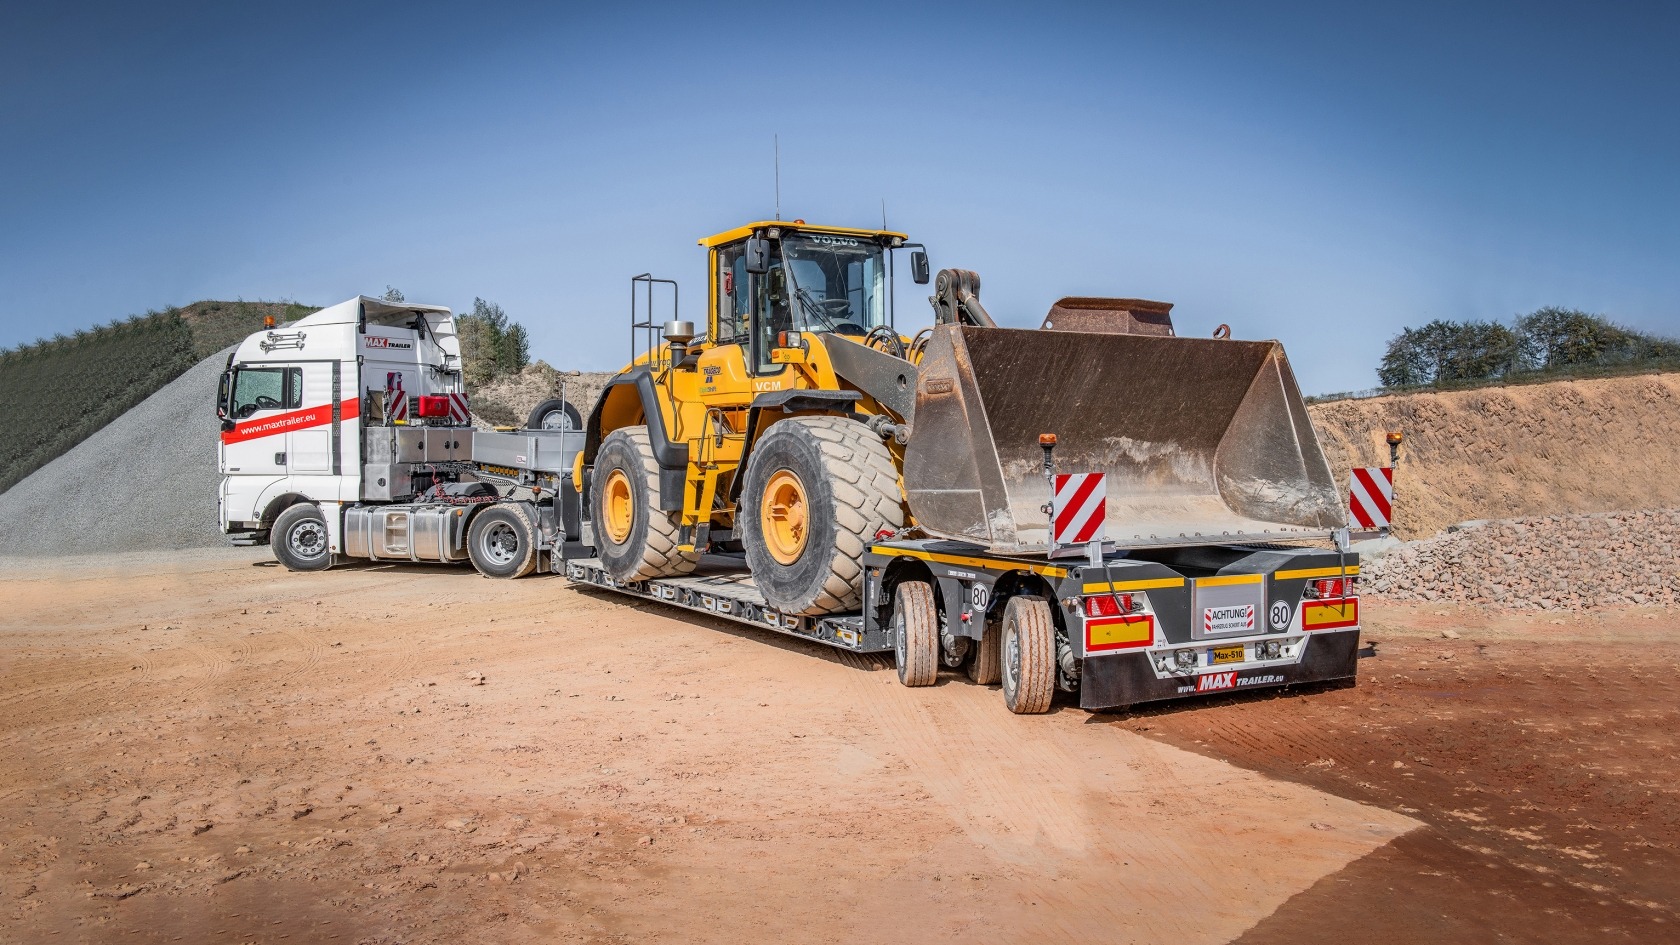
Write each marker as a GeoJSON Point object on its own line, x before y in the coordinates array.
{"type": "Point", "coordinates": [379, 312]}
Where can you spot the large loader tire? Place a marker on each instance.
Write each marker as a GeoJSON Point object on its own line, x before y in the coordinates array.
{"type": "Point", "coordinates": [818, 490]}
{"type": "Point", "coordinates": [299, 538]}
{"type": "Point", "coordinates": [1029, 655]}
{"type": "Point", "coordinates": [634, 538]}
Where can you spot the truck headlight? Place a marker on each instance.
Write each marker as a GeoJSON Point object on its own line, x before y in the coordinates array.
{"type": "Point", "coordinates": [1186, 659]}
{"type": "Point", "coordinates": [1271, 649]}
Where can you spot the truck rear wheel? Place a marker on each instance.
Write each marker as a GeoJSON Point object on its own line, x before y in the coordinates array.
{"type": "Point", "coordinates": [299, 538]}
{"type": "Point", "coordinates": [984, 666]}
{"type": "Point", "coordinates": [916, 634]}
{"type": "Point", "coordinates": [634, 539]}
{"type": "Point", "coordinates": [502, 542]}
{"type": "Point", "coordinates": [817, 491]}
{"type": "Point", "coordinates": [1029, 655]}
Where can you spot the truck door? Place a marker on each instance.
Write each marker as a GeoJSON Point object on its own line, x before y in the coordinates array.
{"type": "Point", "coordinates": [309, 450]}
{"type": "Point", "coordinates": [260, 404]}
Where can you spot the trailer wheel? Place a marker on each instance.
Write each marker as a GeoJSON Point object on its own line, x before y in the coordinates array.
{"type": "Point", "coordinates": [634, 538]}
{"type": "Point", "coordinates": [916, 634]}
{"type": "Point", "coordinates": [1029, 655]}
{"type": "Point", "coordinates": [984, 666]}
{"type": "Point", "coordinates": [502, 542]}
{"type": "Point", "coordinates": [817, 491]}
{"type": "Point", "coordinates": [299, 538]}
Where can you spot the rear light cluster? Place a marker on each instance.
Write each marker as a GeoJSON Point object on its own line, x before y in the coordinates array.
{"type": "Point", "coordinates": [1113, 605]}
{"type": "Point", "coordinates": [433, 406]}
{"type": "Point", "coordinates": [1331, 588]}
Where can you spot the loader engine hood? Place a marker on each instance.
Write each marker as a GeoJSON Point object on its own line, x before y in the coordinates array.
{"type": "Point", "coordinates": [1202, 441]}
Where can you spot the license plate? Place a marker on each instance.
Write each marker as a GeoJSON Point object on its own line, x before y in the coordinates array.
{"type": "Point", "coordinates": [1225, 654]}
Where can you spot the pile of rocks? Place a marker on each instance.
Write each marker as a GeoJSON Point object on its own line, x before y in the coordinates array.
{"type": "Point", "coordinates": [1572, 562]}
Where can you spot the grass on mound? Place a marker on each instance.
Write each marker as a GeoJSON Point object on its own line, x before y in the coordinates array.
{"type": "Point", "coordinates": [59, 391]}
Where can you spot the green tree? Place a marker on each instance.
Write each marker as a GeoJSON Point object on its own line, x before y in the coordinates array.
{"type": "Point", "coordinates": [516, 349]}
{"type": "Point", "coordinates": [491, 344]}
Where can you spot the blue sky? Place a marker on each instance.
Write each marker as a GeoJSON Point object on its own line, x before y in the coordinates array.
{"type": "Point", "coordinates": [1304, 172]}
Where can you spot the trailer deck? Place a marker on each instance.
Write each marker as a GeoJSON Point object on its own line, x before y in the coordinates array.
{"type": "Point", "coordinates": [723, 587]}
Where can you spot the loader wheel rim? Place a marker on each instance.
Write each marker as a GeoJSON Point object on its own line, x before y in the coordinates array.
{"type": "Point", "coordinates": [785, 516]}
{"type": "Point", "coordinates": [619, 503]}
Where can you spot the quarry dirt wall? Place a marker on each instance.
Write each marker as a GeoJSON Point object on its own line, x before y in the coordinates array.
{"type": "Point", "coordinates": [1506, 452]}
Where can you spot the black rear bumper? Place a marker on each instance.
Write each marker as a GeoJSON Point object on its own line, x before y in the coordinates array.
{"type": "Point", "coordinates": [1113, 682]}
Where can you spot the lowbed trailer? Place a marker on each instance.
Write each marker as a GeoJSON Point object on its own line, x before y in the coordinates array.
{"type": "Point", "coordinates": [1128, 631]}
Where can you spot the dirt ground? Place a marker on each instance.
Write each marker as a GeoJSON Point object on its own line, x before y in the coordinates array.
{"type": "Point", "coordinates": [202, 747]}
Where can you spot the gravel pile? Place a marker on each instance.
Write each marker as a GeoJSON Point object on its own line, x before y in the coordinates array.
{"type": "Point", "coordinates": [1570, 562]}
{"type": "Point", "coordinates": [146, 481]}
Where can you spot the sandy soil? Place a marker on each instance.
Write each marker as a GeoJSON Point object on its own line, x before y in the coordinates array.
{"type": "Point", "coordinates": [1540, 752]}
{"type": "Point", "coordinates": [211, 749]}
{"type": "Point", "coordinates": [215, 750]}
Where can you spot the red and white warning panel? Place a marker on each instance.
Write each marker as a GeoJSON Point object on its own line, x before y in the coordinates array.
{"type": "Point", "coordinates": [1371, 496]}
{"type": "Point", "coordinates": [1079, 508]}
{"type": "Point", "coordinates": [458, 409]}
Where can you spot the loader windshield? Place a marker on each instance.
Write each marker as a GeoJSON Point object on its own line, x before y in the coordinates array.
{"type": "Point", "coordinates": [835, 283]}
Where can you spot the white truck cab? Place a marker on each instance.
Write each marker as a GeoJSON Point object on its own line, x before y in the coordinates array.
{"type": "Point", "coordinates": [346, 433]}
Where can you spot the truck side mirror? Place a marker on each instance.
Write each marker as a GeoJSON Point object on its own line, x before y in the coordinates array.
{"type": "Point", "coordinates": [758, 255]}
{"type": "Point", "coordinates": [224, 392]}
{"type": "Point", "coordinates": [919, 267]}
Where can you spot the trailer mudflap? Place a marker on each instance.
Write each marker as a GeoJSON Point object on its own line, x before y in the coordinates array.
{"type": "Point", "coordinates": [1114, 682]}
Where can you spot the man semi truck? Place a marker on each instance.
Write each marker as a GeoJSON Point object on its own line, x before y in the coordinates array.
{"type": "Point", "coordinates": [1098, 506]}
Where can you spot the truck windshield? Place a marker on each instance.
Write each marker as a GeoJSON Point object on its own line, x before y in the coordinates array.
{"type": "Point", "coordinates": [836, 283]}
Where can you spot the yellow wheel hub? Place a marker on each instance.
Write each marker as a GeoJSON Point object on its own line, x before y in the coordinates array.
{"type": "Point", "coordinates": [619, 504]}
{"type": "Point", "coordinates": [784, 517]}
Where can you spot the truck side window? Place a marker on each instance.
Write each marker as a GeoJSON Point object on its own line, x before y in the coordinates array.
{"type": "Point", "coordinates": [257, 389]}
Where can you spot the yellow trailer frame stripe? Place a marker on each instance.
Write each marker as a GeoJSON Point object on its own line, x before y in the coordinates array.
{"type": "Point", "coordinates": [1104, 587]}
{"type": "Point", "coordinates": [966, 562]}
{"type": "Point", "coordinates": [1314, 573]}
{"type": "Point", "coordinates": [1229, 580]}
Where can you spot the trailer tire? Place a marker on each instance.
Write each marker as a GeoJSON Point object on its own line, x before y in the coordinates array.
{"type": "Point", "coordinates": [299, 538]}
{"type": "Point", "coordinates": [984, 667]}
{"type": "Point", "coordinates": [1028, 655]}
{"type": "Point", "coordinates": [915, 634]}
{"type": "Point", "coordinates": [634, 538]}
{"type": "Point", "coordinates": [844, 482]}
{"type": "Point", "coordinates": [554, 414]}
{"type": "Point", "coordinates": [502, 542]}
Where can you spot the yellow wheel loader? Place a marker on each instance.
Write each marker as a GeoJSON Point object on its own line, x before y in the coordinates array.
{"type": "Point", "coordinates": [802, 424]}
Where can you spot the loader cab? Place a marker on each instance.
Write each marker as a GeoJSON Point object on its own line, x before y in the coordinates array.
{"type": "Point", "coordinates": [830, 279]}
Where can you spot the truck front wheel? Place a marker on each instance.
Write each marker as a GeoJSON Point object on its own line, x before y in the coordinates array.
{"type": "Point", "coordinates": [299, 539]}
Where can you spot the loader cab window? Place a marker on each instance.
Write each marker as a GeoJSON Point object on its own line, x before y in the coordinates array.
{"type": "Point", "coordinates": [835, 283]}
{"type": "Point", "coordinates": [257, 389]}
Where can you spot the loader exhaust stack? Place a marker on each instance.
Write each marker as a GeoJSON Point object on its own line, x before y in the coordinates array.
{"type": "Point", "coordinates": [1202, 441]}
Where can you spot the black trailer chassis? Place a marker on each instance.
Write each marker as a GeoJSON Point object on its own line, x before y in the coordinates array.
{"type": "Point", "coordinates": [1201, 620]}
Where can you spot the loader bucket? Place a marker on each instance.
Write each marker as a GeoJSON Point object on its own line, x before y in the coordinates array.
{"type": "Point", "coordinates": [1202, 441]}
